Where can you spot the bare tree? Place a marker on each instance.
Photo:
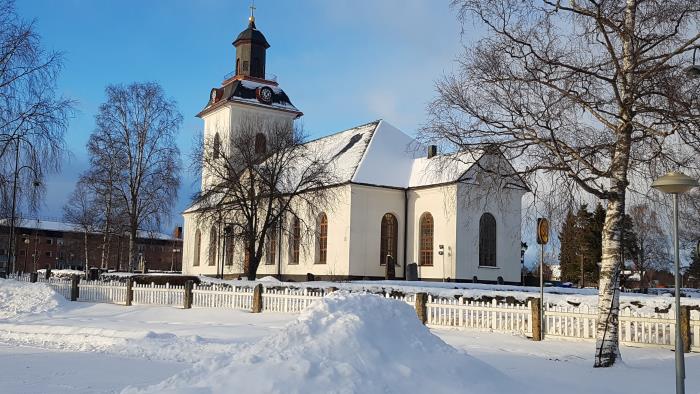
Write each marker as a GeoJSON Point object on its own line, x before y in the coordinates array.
{"type": "Point", "coordinates": [652, 242]}
{"type": "Point", "coordinates": [259, 181]}
{"type": "Point", "coordinates": [592, 92]}
{"type": "Point", "coordinates": [33, 118]}
{"type": "Point", "coordinates": [134, 156]}
{"type": "Point", "coordinates": [82, 212]}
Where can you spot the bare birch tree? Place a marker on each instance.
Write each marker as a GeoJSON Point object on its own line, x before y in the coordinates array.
{"type": "Point", "coordinates": [591, 92]}
{"type": "Point", "coordinates": [82, 211]}
{"type": "Point", "coordinates": [256, 180]}
{"type": "Point", "coordinates": [133, 146]}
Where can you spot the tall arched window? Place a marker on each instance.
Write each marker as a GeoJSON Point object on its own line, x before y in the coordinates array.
{"type": "Point", "coordinates": [389, 238]}
{"type": "Point", "coordinates": [271, 251]}
{"type": "Point", "coordinates": [487, 240]}
{"type": "Point", "coordinates": [213, 242]}
{"type": "Point", "coordinates": [260, 143]}
{"type": "Point", "coordinates": [229, 247]}
{"type": "Point", "coordinates": [217, 146]}
{"type": "Point", "coordinates": [296, 240]}
{"type": "Point", "coordinates": [322, 238]}
{"type": "Point", "coordinates": [426, 239]}
{"type": "Point", "coordinates": [197, 247]}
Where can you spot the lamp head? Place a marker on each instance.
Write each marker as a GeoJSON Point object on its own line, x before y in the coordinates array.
{"type": "Point", "coordinates": [674, 182]}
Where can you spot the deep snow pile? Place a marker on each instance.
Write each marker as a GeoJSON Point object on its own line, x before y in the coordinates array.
{"type": "Point", "coordinates": [22, 298]}
{"type": "Point", "coordinates": [344, 343]}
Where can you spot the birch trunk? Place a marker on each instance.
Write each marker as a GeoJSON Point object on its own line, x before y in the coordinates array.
{"type": "Point", "coordinates": [85, 244]}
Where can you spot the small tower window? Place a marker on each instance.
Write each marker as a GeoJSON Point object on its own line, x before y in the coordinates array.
{"type": "Point", "coordinates": [216, 146]}
{"type": "Point", "coordinates": [260, 144]}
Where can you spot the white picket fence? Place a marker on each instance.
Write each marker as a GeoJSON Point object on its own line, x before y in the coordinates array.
{"type": "Point", "coordinates": [222, 296]}
{"type": "Point", "coordinates": [96, 291]}
{"type": "Point", "coordinates": [158, 294]}
{"type": "Point", "coordinates": [492, 316]}
{"type": "Point", "coordinates": [579, 323]}
{"type": "Point", "coordinates": [289, 300]}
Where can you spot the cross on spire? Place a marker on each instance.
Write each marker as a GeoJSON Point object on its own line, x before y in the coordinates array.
{"type": "Point", "coordinates": [252, 11]}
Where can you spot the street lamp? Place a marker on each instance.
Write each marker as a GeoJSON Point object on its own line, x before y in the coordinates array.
{"type": "Point", "coordinates": [26, 253]}
{"type": "Point", "coordinates": [676, 183]}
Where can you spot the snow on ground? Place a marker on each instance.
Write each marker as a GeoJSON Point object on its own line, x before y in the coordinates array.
{"type": "Point", "coordinates": [21, 298]}
{"type": "Point", "coordinates": [345, 343]}
{"type": "Point", "coordinates": [85, 347]}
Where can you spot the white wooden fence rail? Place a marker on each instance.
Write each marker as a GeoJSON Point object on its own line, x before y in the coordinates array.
{"type": "Point", "coordinates": [461, 313]}
{"type": "Point", "coordinates": [96, 291]}
{"type": "Point", "coordinates": [289, 300]}
{"type": "Point", "coordinates": [158, 294]}
{"type": "Point", "coordinates": [636, 329]}
{"type": "Point", "coordinates": [221, 296]}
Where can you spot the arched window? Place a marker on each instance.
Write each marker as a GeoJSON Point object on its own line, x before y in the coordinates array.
{"type": "Point", "coordinates": [217, 146]}
{"type": "Point", "coordinates": [296, 240]}
{"type": "Point", "coordinates": [271, 252]}
{"type": "Point", "coordinates": [389, 238]}
{"type": "Point", "coordinates": [260, 144]}
{"type": "Point", "coordinates": [487, 240]}
{"type": "Point", "coordinates": [228, 236]}
{"type": "Point", "coordinates": [322, 238]}
{"type": "Point", "coordinates": [213, 242]}
{"type": "Point", "coordinates": [197, 247]}
{"type": "Point", "coordinates": [426, 239]}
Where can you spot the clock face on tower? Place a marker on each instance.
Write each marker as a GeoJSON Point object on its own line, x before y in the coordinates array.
{"type": "Point", "coordinates": [264, 95]}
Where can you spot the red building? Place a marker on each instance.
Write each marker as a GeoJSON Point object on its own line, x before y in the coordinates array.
{"type": "Point", "coordinates": [40, 243]}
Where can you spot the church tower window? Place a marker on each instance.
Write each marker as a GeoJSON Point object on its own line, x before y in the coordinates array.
{"type": "Point", "coordinates": [487, 240]}
{"type": "Point", "coordinates": [216, 146]}
{"type": "Point", "coordinates": [260, 144]}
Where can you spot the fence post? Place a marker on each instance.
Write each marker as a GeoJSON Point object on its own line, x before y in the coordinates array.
{"type": "Point", "coordinates": [33, 277]}
{"type": "Point", "coordinates": [685, 328]}
{"type": "Point", "coordinates": [421, 309]}
{"type": "Point", "coordinates": [257, 298]}
{"type": "Point", "coordinates": [536, 318]}
{"type": "Point", "coordinates": [48, 272]}
{"type": "Point", "coordinates": [74, 290]}
{"type": "Point", "coordinates": [129, 291]}
{"type": "Point", "coordinates": [188, 294]}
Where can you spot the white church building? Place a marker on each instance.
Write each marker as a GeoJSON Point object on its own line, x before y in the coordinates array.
{"type": "Point", "coordinates": [449, 214]}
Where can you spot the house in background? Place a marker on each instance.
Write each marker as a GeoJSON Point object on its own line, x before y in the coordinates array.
{"type": "Point", "coordinates": [394, 199]}
{"type": "Point", "coordinates": [42, 243]}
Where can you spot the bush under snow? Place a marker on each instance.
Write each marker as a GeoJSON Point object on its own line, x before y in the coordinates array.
{"type": "Point", "coordinates": [22, 298]}
{"type": "Point", "coordinates": [344, 343]}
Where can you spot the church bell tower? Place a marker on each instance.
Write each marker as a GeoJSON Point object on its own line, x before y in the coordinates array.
{"type": "Point", "coordinates": [251, 46]}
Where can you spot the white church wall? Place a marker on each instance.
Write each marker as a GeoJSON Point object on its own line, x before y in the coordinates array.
{"type": "Point", "coordinates": [505, 206]}
{"type": "Point", "coordinates": [369, 204]}
{"type": "Point", "coordinates": [440, 203]}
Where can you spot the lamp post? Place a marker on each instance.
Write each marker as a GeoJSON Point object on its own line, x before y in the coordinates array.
{"type": "Point", "coordinates": [26, 253]}
{"type": "Point", "coordinates": [676, 183]}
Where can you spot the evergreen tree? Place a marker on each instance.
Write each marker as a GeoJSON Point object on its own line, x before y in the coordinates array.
{"type": "Point", "coordinates": [567, 249]}
{"type": "Point", "coordinates": [694, 269]}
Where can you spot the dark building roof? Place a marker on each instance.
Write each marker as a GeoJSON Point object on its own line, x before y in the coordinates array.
{"type": "Point", "coordinates": [246, 91]}
{"type": "Point", "coordinates": [253, 35]}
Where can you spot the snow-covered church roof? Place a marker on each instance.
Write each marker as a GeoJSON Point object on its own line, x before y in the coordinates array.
{"type": "Point", "coordinates": [379, 154]}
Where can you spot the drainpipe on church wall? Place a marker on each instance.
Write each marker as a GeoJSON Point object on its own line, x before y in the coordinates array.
{"type": "Point", "coordinates": [405, 231]}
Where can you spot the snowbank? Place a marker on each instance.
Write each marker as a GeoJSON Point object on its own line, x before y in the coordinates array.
{"type": "Point", "coordinates": [23, 298]}
{"type": "Point", "coordinates": [344, 343]}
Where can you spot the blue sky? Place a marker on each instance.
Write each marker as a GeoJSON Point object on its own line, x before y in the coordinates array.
{"type": "Point", "coordinates": [342, 62]}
